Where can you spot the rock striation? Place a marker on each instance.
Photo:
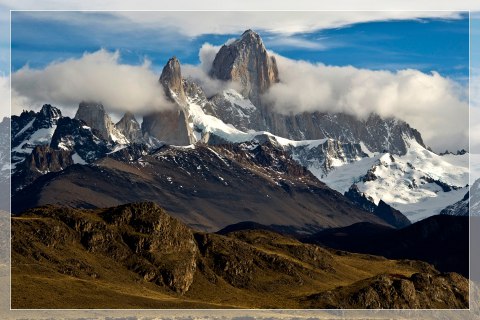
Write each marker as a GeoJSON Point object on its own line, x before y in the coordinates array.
{"type": "Point", "coordinates": [247, 62]}
{"type": "Point", "coordinates": [129, 127]}
{"type": "Point", "coordinates": [94, 115]}
{"type": "Point", "coordinates": [171, 125]}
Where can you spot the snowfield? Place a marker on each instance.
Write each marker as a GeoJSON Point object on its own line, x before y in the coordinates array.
{"type": "Point", "coordinates": [411, 183]}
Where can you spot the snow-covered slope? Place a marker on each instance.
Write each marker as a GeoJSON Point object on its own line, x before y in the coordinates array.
{"type": "Point", "coordinates": [419, 183]}
{"type": "Point", "coordinates": [31, 129]}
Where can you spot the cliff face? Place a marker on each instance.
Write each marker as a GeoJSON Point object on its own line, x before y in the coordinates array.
{"type": "Point", "coordinates": [94, 115]}
{"type": "Point", "coordinates": [129, 127]}
{"type": "Point", "coordinates": [42, 160]}
{"type": "Point", "coordinates": [247, 62]}
{"type": "Point", "coordinates": [170, 126]}
{"type": "Point", "coordinates": [171, 79]}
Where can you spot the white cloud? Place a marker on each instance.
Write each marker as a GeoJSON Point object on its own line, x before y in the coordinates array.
{"type": "Point", "coordinates": [97, 76]}
{"type": "Point", "coordinates": [200, 73]}
{"type": "Point", "coordinates": [434, 105]}
{"type": "Point", "coordinates": [296, 42]}
{"type": "Point", "coordinates": [5, 97]}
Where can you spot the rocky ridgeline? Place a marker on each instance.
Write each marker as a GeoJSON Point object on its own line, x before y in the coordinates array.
{"type": "Point", "coordinates": [421, 290]}
{"type": "Point", "coordinates": [129, 127]}
{"type": "Point", "coordinates": [159, 249]}
{"type": "Point", "coordinates": [95, 116]}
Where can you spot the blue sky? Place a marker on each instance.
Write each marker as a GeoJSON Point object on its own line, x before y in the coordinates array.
{"type": "Point", "coordinates": [39, 38]}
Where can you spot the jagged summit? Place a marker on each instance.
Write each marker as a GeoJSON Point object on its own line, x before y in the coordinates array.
{"type": "Point", "coordinates": [95, 116]}
{"type": "Point", "coordinates": [171, 79]}
{"type": "Point", "coordinates": [129, 127]}
{"type": "Point", "coordinates": [51, 112]}
{"type": "Point", "coordinates": [246, 61]}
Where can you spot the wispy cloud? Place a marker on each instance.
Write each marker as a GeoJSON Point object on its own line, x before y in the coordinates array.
{"type": "Point", "coordinates": [296, 42]}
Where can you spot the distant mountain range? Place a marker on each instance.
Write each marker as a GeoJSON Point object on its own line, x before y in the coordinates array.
{"type": "Point", "coordinates": [385, 158]}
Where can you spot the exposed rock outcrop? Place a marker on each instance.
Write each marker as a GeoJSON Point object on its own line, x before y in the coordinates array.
{"type": "Point", "coordinates": [129, 127]}
{"type": "Point", "coordinates": [171, 79]}
{"type": "Point", "coordinates": [382, 210]}
{"type": "Point", "coordinates": [247, 62]}
{"type": "Point", "coordinates": [171, 125]}
{"type": "Point", "coordinates": [75, 135]}
{"type": "Point", "coordinates": [94, 115]}
{"type": "Point", "coordinates": [421, 290]}
{"type": "Point", "coordinates": [42, 160]}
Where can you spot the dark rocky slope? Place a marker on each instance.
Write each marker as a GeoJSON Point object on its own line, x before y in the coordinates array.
{"type": "Point", "coordinates": [206, 187]}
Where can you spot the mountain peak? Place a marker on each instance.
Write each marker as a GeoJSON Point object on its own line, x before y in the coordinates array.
{"type": "Point", "coordinates": [129, 127]}
{"type": "Point", "coordinates": [171, 79]}
{"type": "Point", "coordinates": [95, 116]}
{"type": "Point", "coordinates": [51, 112]}
{"type": "Point", "coordinates": [251, 35]}
{"type": "Point", "coordinates": [247, 62]}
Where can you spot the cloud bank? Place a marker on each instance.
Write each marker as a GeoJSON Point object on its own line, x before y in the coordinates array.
{"type": "Point", "coordinates": [98, 76]}
{"type": "Point", "coordinates": [435, 105]}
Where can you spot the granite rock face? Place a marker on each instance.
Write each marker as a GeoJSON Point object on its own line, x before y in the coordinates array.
{"type": "Point", "coordinates": [171, 125]}
{"type": "Point", "coordinates": [247, 62]}
{"type": "Point", "coordinates": [94, 115]}
{"type": "Point", "coordinates": [171, 79]}
{"type": "Point", "coordinates": [129, 127]}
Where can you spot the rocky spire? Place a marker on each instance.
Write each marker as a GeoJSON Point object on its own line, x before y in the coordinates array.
{"type": "Point", "coordinates": [246, 61]}
{"type": "Point", "coordinates": [129, 127]}
{"type": "Point", "coordinates": [171, 79]}
{"type": "Point", "coordinates": [94, 115]}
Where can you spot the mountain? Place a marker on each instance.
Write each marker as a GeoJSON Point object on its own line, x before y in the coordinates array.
{"type": "Point", "coordinates": [385, 158]}
{"type": "Point", "coordinates": [468, 205]}
{"type": "Point", "coordinates": [42, 160]}
{"type": "Point", "coordinates": [171, 125]}
{"type": "Point", "coordinates": [172, 81]}
{"type": "Point", "coordinates": [137, 255]}
{"type": "Point", "coordinates": [129, 127]}
{"type": "Point", "coordinates": [75, 136]}
{"type": "Point", "coordinates": [30, 129]}
{"type": "Point", "coordinates": [460, 208]}
{"type": "Point", "coordinates": [207, 187]}
{"type": "Point", "coordinates": [440, 240]}
{"type": "Point", "coordinates": [419, 183]}
{"type": "Point", "coordinates": [247, 62]}
{"type": "Point", "coordinates": [94, 115]}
